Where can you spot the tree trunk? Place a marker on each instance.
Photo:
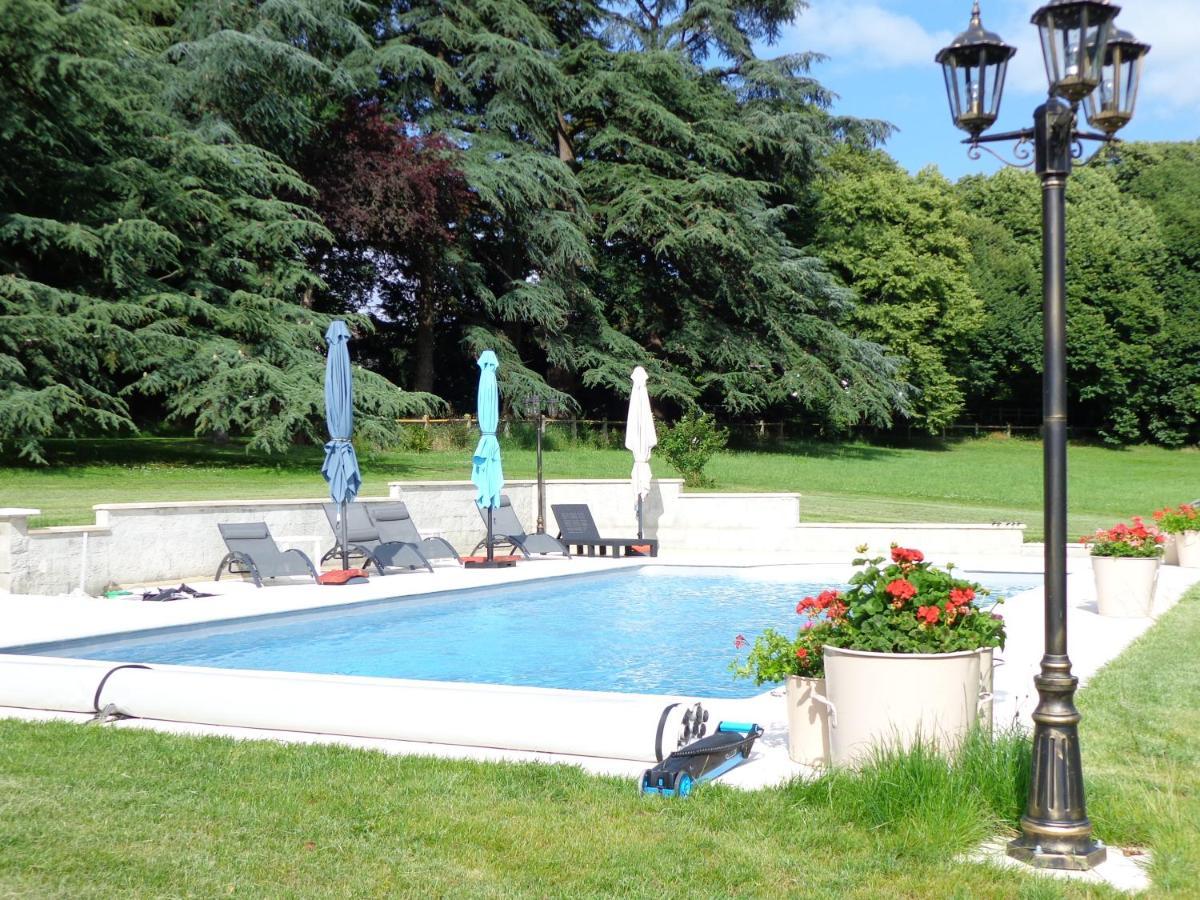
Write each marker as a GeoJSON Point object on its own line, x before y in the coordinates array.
{"type": "Point", "coordinates": [425, 338]}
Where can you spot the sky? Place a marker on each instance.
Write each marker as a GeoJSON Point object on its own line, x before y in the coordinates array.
{"type": "Point", "coordinates": [880, 64]}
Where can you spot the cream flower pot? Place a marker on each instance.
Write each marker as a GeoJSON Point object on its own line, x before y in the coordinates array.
{"type": "Point", "coordinates": [1125, 585]}
{"type": "Point", "coordinates": [1187, 545]}
{"type": "Point", "coordinates": [894, 700]}
{"type": "Point", "coordinates": [808, 721]}
{"type": "Point", "coordinates": [1170, 555]}
{"type": "Point", "coordinates": [987, 667]}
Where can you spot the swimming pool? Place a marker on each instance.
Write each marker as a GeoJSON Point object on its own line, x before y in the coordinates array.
{"type": "Point", "coordinates": [655, 629]}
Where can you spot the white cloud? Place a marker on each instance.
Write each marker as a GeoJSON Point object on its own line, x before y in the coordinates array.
{"type": "Point", "coordinates": [864, 35]}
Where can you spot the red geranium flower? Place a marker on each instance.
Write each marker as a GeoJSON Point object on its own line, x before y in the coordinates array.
{"type": "Point", "coordinates": [929, 614]}
{"type": "Point", "coordinates": [801, 653]}
{"type": "Point", "coordinates": [827, 597]}
{"type": "Point", "coordinates": [901, 589]}
{"type": "Point", "coordinates": [961, 596]}
{"type": "Point", "coordinates": [905, 556]}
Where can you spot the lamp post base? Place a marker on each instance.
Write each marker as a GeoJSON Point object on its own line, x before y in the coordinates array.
{"type": "Point", "coordinates": [1028, 851]}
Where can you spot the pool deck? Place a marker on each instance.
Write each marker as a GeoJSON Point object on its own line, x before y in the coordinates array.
{"type": "Point", "coordinates": [1094, 640]}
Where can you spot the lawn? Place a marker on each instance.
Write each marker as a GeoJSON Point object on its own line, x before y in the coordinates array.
{"type": "Point", "coordinates": [978, 480]}
{"type": "Point", "coordinates": [88, 811]}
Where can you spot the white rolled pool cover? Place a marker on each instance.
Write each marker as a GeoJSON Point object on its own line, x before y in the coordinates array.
{"type": "Point", "coordinates": [548, 720]}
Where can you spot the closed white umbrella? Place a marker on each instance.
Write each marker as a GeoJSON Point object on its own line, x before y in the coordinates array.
{"type": "Point", "coordinates": [640, 439]}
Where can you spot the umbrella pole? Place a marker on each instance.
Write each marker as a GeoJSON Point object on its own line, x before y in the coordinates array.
{"type": "Point", "coordinates": [489, 534]}
{"type": "Point", "coordinates": [345, 549]}
{"type": "Point", "coordinates": [639, 517]}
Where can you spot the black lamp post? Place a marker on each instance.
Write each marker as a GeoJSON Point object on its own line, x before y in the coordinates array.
{"type": "Point", "coordinates": [535, 407]}
{"type": "Point", "coordinates": [1086, 59]}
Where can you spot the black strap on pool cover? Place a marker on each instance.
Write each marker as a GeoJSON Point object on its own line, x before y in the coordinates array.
{"type": "Point", "coordinates": [104, 680]}
{"type": "Point", "coordinates": [662, 724]}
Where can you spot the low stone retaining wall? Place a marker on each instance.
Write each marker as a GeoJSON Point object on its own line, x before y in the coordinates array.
{"type": "Point", "coordinates": [136, 543]}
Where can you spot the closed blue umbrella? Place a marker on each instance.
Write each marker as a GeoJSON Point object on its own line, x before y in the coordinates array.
{"type": "Point", "coordinates": [341, 463]}
{"type": "Point", "coordinates": [486, 472]}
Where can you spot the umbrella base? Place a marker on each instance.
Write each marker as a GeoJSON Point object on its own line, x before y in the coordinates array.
{"type": "Point", "coordinates": [496, 562]}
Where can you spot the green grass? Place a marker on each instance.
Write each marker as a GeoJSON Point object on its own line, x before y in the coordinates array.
{"type": "Point", "coordinates": [89, 811]}
{"type": "Point", "coordinates": [1141, 743]}
{"type": "Point", "coordinates": [982, 480]}
{"type": "Point", "coordinates": [97, 812]}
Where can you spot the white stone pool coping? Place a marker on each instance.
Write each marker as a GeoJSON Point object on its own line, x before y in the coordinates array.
{"type": "Point", "coordinates": [1094, 640]}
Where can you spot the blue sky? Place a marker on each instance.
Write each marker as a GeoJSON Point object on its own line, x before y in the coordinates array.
{"type": "Point", "coordinates": [881, 66]}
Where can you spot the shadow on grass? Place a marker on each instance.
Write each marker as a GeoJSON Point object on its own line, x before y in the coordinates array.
{"type": "Point", "coordinates": [813, 449]}
{"type": "Point", "coordinates": [70, 457]}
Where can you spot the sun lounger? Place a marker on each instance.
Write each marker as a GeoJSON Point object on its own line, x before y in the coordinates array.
{"type": "Point", "coordinates": [254, 552]}
{"type": "Point", "coordinates": [577, 528]}
{"type": "Point", "coordinates": [507, 529]}
{"type": "Point", "coordinates": [364, 540]}
{"type": "Point", "coordinates": [395, 524]}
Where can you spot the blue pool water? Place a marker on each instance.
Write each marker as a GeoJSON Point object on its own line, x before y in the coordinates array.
{"type": "Point", "coordinates": [632, 631]}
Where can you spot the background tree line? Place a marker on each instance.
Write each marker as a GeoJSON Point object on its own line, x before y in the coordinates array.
{"type": "Point", "coordinates": [192, 189]}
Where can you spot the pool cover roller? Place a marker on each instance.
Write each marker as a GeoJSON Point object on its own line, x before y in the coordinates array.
{"type": "Point", "coordinates": [702, 760]}
{"type": "Point", "coordinates": [548, 720]}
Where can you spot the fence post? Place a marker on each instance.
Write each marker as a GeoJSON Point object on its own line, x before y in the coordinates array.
{"type": "Point", "coordinates": [604, 432]}
{"type": "Point", "coordinates": [574, 430]}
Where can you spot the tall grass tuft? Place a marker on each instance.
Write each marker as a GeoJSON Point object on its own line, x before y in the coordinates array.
{"type": "Point", "coordinates": [919, 802]}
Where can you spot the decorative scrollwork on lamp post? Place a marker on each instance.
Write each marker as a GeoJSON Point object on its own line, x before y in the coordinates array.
{"type": "Point", "coordinates": [1087, 60]}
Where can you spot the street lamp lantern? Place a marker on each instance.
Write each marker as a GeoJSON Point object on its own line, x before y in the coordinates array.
{"type": "Point", "coordinates": [974, 65]}
{"type": "Point", "coordinates": [1081, 63]}
{"type": "Point", "coordinates": [1110, 106]}
{"type": "Point", "coordinates": [1074, 34]}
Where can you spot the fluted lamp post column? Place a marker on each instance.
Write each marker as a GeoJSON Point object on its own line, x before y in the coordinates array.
{"type": "Point", "coordinates": [1087, 59]}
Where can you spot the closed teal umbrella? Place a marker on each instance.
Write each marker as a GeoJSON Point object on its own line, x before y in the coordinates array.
{"type": "Point", "coordinates": [486, 472]}
{"type": "Point", "coordinates": [341, 464]}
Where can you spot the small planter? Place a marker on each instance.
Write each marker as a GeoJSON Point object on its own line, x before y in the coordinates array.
{"type": "Point", "coordinates": [894, 700]}
{"type": "Point", "coordinates": [1187, 545]}
{"type": "Point", "coordinates": [1125, 585]}
{"type": "Point", "coordinates": [808, 721]}
{"type": "Point", "coordinates": [987, 667]}
{"type": "Point", "coordinates": [1170, 555]}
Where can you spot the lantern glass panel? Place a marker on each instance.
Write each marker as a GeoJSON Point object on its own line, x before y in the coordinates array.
{"type": "Point", "coordinates": [1073, 38]}
{"type": "Point", "coordinates": [974, 79]}
{"type": "Point", "coordinates": [1110, 106]}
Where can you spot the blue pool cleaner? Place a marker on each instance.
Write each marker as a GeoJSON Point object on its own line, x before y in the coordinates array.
{"type": "Point", "coordinates": [702, 760]}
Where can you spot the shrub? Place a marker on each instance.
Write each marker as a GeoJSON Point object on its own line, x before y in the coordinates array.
{"type": "Point", "coordinates": [415, 439]}
{"type": "Point", "coordinates": [455, 435]}
{"type": "Point", "coordinates": [690, 443]}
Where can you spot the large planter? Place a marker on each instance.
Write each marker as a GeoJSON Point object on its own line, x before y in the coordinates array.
{"type": "Point", "coordinates": [808, 721]}
{"type": "Point", "coordinates": [894, 700]}
{"type": "Point", "coordinates": [1125, 585]}
{"type": "Point", "coordinates": [1187, 545]}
